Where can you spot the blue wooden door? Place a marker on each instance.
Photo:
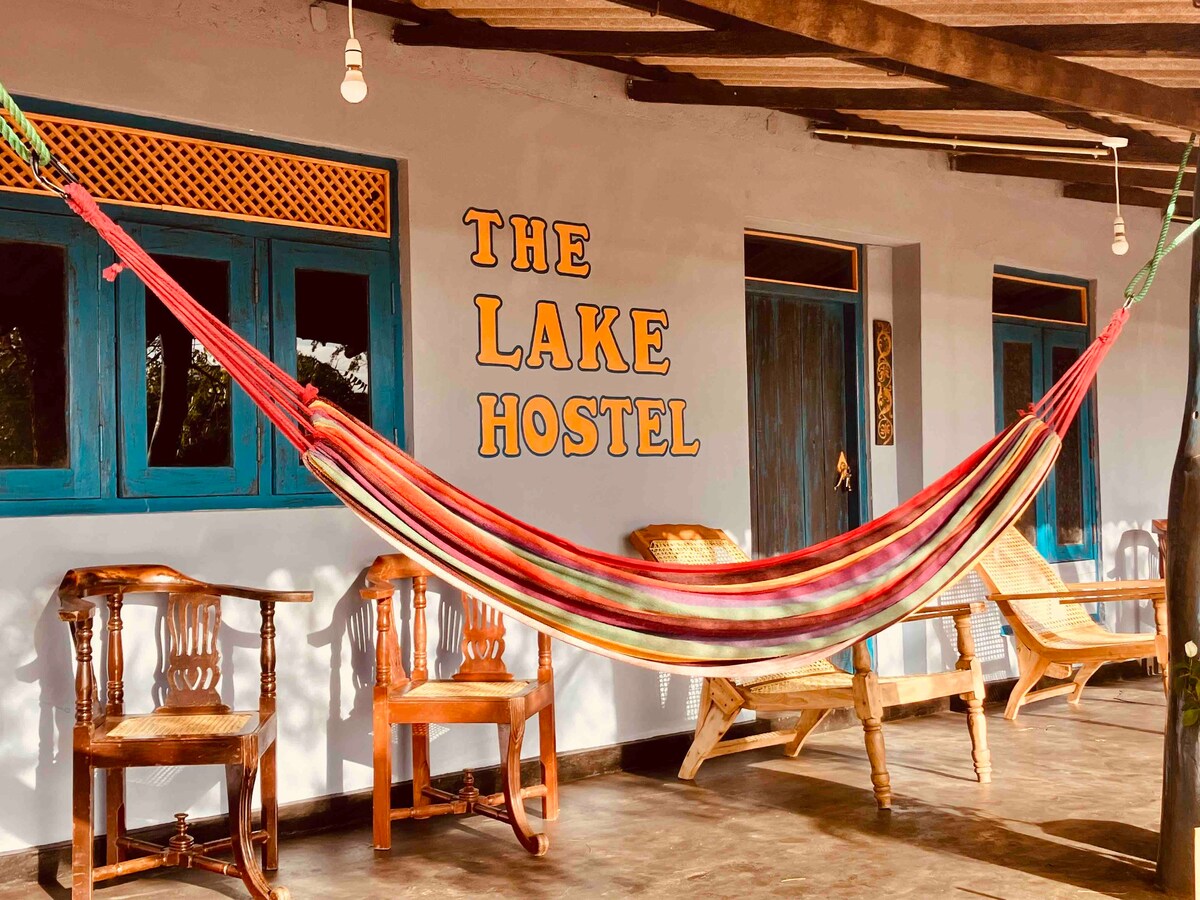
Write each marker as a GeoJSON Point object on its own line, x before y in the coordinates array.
{"type": "Point", "coordinates": [336, 327]}
{"type": "Point", "coordinates": [1029, 358]}
{"type": "Point", "coordinates": [804, 417]}
{"type": "Point", "coordinates": [185, 429]}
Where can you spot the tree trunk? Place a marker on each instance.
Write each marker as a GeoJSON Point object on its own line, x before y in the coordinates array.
{"type": "Point", "coordinates": [1181, 745]}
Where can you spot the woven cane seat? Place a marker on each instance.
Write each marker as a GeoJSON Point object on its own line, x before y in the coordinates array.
{"type": "Point", "coordinates": [168, 726]}
{"type": "Point", "coordinates": [466, 690]}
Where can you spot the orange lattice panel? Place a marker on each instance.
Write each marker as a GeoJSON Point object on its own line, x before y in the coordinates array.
{"type": "Point", "coordinates": [164, 171]}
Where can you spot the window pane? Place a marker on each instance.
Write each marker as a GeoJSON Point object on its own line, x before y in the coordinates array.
{"type": "Point", "coordinates": [1017, 394]}
{"type": "Point", "coordinates": [333, 329]}
{"type": "Point", "coordinates": [1034, 299]}
{"type": "Point", "coordinates": [1068, 471]}
{"type": "Point", "coordinates": [801, 261]}
{"type": "Point", "coordinates": [33, 356]}
{"type": "Point", "coordinates": [188, 402]}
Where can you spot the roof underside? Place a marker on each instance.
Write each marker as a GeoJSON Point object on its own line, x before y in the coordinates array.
{"type": "Point", "coordinates": [889, 70]}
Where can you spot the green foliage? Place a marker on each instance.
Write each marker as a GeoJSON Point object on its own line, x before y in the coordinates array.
{"type": "Point", "coordinates": [1186, 676]}
{"type": "Point", "coordinates": [16, 402]}
{"type": "Point", "coordinates": [341, 380]}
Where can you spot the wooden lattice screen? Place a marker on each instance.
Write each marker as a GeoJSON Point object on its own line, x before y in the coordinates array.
{"type": "Point", "coordinates": [164, 171]}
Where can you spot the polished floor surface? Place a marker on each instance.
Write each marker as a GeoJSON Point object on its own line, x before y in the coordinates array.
{"type": "Point", "coordinates": [1072, 812]}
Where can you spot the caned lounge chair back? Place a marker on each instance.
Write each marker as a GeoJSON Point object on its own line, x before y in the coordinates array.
{"type": "Point", "coordinates": [696, 545]}
{"type": "Point", "coordinates": [1013, 566]}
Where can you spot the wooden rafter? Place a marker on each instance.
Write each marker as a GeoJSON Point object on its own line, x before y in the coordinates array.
{"type": "Point", "coordinates": [1178, 41]}
{"type": "Point", "coordinates": [1078, 173]}
{"type": "Point", "coordinates": [906, 39]}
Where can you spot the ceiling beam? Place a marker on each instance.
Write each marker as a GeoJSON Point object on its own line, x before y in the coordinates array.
{"type": "Point", "coordinates": [1078, 173]}
{"type": "Point", "coordinates": [896, 35]}
{"type": "Point", "coordinates": [1178, 40]}
{"type": "Point", "coordinates": [716, 44]}
{"type": "Point", "coordinates": [1099, 193]}
{"type": "Point", "coordinates": [712, 93]}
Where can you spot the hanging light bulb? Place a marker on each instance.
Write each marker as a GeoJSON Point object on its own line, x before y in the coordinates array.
{"type": "Point", "coordinates": [354, 86]}
{"type": "Point", "coordinates": [1120, 244]}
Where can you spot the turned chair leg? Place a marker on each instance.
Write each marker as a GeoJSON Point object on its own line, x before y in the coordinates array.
{"type": "Point", "coordinates": [511, 737]}
{"type": "Point", "coordinates": [548, 751]}
{"type": "Point", "coordinates": [239, 783]}
{"type": "Point", "coordinates": [114, 801]}
{"type": "Point", "coordinates": [981, 756]}
{"type": "Point", "coordinates": [381, 789]}
{"type": "Point", "coordinates": [809, 720]}
{"type": "Point", "coordinates": [1032, 667]}
{"type": "Point", "coordinates": [270, 810]}
{"type": "Point", "coordinates": [83, 837]}
{"type": "Point", "coordinates": [869, 707]}
{"type": "Point", "coordinates": [1086, 671]}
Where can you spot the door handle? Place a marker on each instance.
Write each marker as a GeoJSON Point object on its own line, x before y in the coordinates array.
{"type": "Point", "coordinates": [844, 474]}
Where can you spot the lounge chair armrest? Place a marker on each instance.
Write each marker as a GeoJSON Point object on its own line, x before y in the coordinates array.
{"type": "Point", "coordinates": [1097, 592]}
{"type": "Point", "coordinates": [1148, 585]}
{"type": "Point", "coordinates": [947, 609]}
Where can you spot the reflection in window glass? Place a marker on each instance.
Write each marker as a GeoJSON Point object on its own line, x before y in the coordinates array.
{"type": "Point", "coordinates": [1068, 471]}
{"type": "Point", "coordinates": [33, 356]}
{"type": "Point", "coordinates": [1017, 394]}
{"type": "Point", "coordinates": [188, 399]}
{"type": "Point", "coordinates": [333, 328]}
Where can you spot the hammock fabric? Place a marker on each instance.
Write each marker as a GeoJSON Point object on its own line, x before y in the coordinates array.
{"type": "Point", "coordinates": [747, 618]}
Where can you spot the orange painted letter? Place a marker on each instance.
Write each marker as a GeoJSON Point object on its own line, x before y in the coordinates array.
{"type": "Point", "coordinates": [596, 336]}
{"type": "Point", "coordinates": [484, 221]}
{"type": "Point", "coordinates": [679, 443]}
{"type": "Point", "coordinates": [571, 237]}
{"type": "Point", "coordinates": [491, 421]}
{"type": "Point", "coordinates": [489, 352]}
{"type": "Point", "coordinates": [529, 244]}
{"type": "Point", "coordinates": [649, 423]}
{"type": "Point", "coordinates": [539, 425]}
{"type": "Point", "coordinates": [616, 408]}
{"type": "Point", "coordinates": [548, 339]}
{"type": "Point", "coordinates": [648, 327]}
{"type": "Point", "coordinates": [582, 436]}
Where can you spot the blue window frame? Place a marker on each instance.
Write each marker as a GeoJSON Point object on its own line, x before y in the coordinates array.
{"type": "Point", "coordinates": [70, 252]}
{"type": "Point", "coordinates": [352, 359]}
{"type": "Point", "coordinates": [108, 448]}
{"type": "Point", "coordinates": [228, 425]}
{"type": "Point", "coordinates": [1030, 353]}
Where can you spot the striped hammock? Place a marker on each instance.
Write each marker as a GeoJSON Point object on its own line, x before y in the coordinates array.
{"type": "Point", "coordinates": [748, 618]}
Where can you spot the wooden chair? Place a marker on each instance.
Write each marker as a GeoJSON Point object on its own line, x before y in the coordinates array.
{"type": "Point", "coordinates": [191, 727]}
{"type": "Point", "coordinates": [816, 689]}
{"type": "Point", "coordinates": [482, 691]}
{"type": "Point", "coordinates": [1053, 631]}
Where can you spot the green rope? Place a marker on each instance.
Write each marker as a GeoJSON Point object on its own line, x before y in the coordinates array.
{"type": "Point", "coordinates": [29, 138]}
{"type": "Point", "coordinates": [1139, 285]}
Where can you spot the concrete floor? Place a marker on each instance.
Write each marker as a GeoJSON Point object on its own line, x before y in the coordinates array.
{"type": "Point", "coordinates": [1072, 812]}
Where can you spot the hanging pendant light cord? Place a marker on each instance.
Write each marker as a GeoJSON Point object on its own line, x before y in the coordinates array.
{"type": "Point", "coordinates": [1117, 178]}
{"type": "Point", "coordinates": [350, 16]}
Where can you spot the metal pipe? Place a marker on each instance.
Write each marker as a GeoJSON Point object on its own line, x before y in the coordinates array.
{"type": "Point", "coordinates": [955, 143]}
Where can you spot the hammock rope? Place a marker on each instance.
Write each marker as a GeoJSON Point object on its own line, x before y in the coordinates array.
{"type": "Point", "coordinates": [750, 618]}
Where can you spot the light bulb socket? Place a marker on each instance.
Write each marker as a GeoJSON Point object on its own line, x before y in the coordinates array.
{"type": "Point", "coordinates": [354, 54]}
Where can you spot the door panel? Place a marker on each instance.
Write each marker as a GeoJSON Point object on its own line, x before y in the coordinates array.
{"type": "Point", "coordinates": [803, 410]}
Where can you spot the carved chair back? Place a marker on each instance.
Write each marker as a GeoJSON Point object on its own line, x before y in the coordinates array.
{"type": "Point", "coordinates": [193, 622]}
{"type": "Point", "coordinates": [483, 630]}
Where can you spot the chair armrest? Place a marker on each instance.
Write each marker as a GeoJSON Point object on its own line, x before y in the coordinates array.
{"type": "Point", "coordinates": [74, 610]}
{"type": "Point", "coordinates": [948, 609]}
{"type": "Point", "coordinates": [1094, 592]}
{"type": "Point", "coordinates": [261, 595]}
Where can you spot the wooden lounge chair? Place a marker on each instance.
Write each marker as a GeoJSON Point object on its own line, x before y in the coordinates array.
{"type": "Point", "coordinates": [816, 689]}
{"type": "Point", "coordinates": [481, 691]}
{"type": "Point", "coordinates": [1053, 632]}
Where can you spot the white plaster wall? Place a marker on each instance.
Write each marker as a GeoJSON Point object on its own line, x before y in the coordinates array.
{"type": "Point", "coordinates": [667, 193]}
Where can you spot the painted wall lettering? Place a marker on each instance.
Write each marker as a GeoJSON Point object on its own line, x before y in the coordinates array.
{"type": "Point", "coordinates": [623, 343]}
